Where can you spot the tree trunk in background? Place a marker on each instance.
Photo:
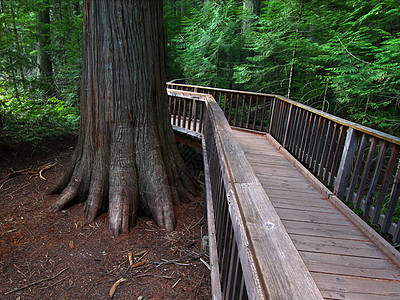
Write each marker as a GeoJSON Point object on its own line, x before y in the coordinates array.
{"type": "Point", "coordinates": [43, 56]}
{"type": "Point", "coordinates": [253, 7]}
{"type": "Point", "coordinates": [292, 65]}
{"type": "Point", "coordinates": [126, 159]}
{"type": "Point", "coordinates": [250, 8]}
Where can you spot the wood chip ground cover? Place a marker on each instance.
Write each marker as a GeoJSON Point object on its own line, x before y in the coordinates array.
{"type": "Point", "coordinates": [57, 256]}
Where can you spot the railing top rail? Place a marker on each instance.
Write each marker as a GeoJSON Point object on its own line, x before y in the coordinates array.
{"type": "Point", "coordinates": [179, 93]}
{"type": "Point", "coordinates": [373, 132]}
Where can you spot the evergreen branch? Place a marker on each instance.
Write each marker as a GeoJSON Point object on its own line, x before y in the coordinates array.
{"type": "Point", "coordinates": [347, 50]}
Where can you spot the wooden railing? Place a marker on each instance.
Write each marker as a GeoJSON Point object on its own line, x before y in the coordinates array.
{"type": "Point", "coordinates": [360, 165]}
{"type": "Point", "coordinates": [187, 113]}
{"type": "Point", "coordinates": [251, 254]}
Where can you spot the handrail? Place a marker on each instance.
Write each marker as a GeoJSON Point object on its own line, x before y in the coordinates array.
{"type": "Point", "coordinates": [341, 121]}
{"type": "Point", "coordinates": [359, 164]}
{"type": "Point", "coordinates": [252, 255]}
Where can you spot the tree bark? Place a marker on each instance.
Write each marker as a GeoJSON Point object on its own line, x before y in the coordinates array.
{"type": "Point", "coordinates": [126, 159]}
{"type": "Point", "coordinates": [43, 57]}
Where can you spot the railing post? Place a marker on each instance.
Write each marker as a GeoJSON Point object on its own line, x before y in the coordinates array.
{"type": "Point", "coordinates": [287, 125]}
{"type": "Point", "coordinates": [346, 162]}
{"type": "Point", "coordinates": [271, 118]}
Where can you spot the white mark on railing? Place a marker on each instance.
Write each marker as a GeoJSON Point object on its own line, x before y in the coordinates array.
{"type": "Point", "coordinates": [269, 225]}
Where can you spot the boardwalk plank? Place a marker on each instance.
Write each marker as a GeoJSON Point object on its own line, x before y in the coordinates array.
{"type": "Point", "coordinates": [312, 216]}
{"type": "Point", "coordinates": [342, 261]}
{"type": "Point", "coordinates": [351, 266]}
{"type": "Point", "coordinates": [356, 296]}
{"type": "Point", "coordinates": [336, 246]}
{"type": "Point", "coordinates": [324, 230]}
{"type": "Point", "coordinates": [368, 286]}
{"type": "Point", "coordinates": [313, 205]}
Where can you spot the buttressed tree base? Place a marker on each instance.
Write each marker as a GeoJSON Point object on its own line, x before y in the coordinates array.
{"type": "Point", "coordinates": [126, 159]}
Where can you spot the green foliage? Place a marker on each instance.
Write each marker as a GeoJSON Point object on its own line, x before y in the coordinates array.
{"type": "Point", "coordinates": [26, 115]}
{"type": "Point", "coordinates": [341, 56]}
{"type": "Point", "coordinates": [18, 48]}
{"type": "Point", "coordinates": [66, 48]}
{"type": "Point", "coordinates": [210, 43]}
{"type": "Point", "coordinates": [364, 57]}
{"type": "Point", "coordinates": [32, 121]}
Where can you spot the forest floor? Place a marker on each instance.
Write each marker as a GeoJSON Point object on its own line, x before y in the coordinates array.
{"type": "Point", "coordinates": [57, 256]}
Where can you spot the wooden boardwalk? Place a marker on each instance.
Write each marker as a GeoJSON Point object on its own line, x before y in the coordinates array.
{"type": "Point", "coordinates": [340, 258]}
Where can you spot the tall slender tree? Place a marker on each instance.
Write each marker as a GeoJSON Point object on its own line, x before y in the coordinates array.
{"type": "Point", "coordinates": [43, 57]}
{"type": "Point", "coordinates": [126, 159]}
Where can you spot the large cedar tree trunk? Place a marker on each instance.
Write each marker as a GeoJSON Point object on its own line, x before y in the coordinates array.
{"type": "Point", "coordinates": [126, 159]}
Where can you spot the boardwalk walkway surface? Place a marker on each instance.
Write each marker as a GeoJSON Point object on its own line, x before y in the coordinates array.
{"type": "Point", "coordinates": [340, 258]}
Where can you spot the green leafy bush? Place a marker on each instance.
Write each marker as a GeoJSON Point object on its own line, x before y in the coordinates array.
{"type": "Point", "coordinates": [33, 121]}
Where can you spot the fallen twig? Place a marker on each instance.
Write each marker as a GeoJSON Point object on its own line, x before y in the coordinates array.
{"type": "Point", "coordinates": [55, 283]}
{"type": "Point", "coordinates": [159, 276]}
{"type": "Point", "coordinates": [8, 231]}
{"type": "Point", "coordinates": [130, 258]}
{"type": "Point", "coordinates": [206, 264]}
{"type": "Point", "coordinates": [174, 285]}
{"type": "Point", "coordinates": [139, 264]}
{"type": "Point", "coordinates": [115, 285]}
{"type": "Point", "coordinates": [38, 171]}
{"type": "Point", "coordinates": [46, 167]}
{"type": "Point", "coordinates": [174, 261]}
{"type": "Point", "coordinates": [144, 254]}
{"type": "Point", "coordinates": [191, 244]}
{"type": "Point", "coordinates": [197, 223]}
{"type": "Point", "coordinates": [196, 290]}
{"type": "Point", "coordinates": [36, 282]}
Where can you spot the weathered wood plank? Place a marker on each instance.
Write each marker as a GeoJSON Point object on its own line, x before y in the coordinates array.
{"type": "Point", "coordinates": [345, 284]}
{"type": "Point", "coordinates": [356, 296]}
{"type": "Point", "coordinates": [312, 217]}
{"type": "Point", "coordinates": [290, 204]}
{"type": "Point", "coordinates": [324, 230]}
{"type": "Point", "coordinates": [268, 235]}
{"type": "Point", "coordinates": [336, 246]}
{"type": "Point", "coordinates": [350, 266]}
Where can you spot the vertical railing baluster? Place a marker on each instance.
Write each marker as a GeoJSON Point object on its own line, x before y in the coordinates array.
{"type": "Point", "coordinates": [356, 170]}
{"type": "Point", "coordinates": [184, 113]}
{"type": "Point", "coordinates": [263, 114]}
{"type": "Point", "coordinates": [287, 125]}
{"type": "Point", "coordinates": [272, 117]}
{"type": "Point", "coordinates": [331, 151]}
{"type": "Point", "coordinates": [236, 110]}
{"type": "Point", "coordinates": [202, 108]}
{"type": "Point", "coordinates": [175, 107]}
{"type": "Point", "coordinates": [375, 177]}
{"type": "Point", "coordinates": [367, 168]}
{"type": "Point", "coordinates": [194, 115]}
{"type": "Point", "coordinates": [255, 113]}
{"type": "Point", "coordinates": [325, 149]}
{"type": "Point", "coordinates": [336, 156]}
{"type": "Point", "coordinates": [249, 112]}
{"type": "Point", "coordinates": [346, 162]}
{"type": "Point", "coordinates": [393, 202]}
{"type": "Point", "coordinates": [319, 144]}
{"type": "Point", "coordinates": [385, 184]}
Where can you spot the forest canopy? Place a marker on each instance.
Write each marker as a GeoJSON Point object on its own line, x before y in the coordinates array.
{"type": "Point", "coordinates": [339, 56]}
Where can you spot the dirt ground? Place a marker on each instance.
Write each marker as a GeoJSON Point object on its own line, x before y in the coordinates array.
{"type": "Point", "coordinates": [57, 256]}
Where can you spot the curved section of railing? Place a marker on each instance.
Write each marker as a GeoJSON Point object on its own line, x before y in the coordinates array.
{"type": "Point", "coordinates": [360, 165]}
{"type": "Point", "coordinates": [251, 254]}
